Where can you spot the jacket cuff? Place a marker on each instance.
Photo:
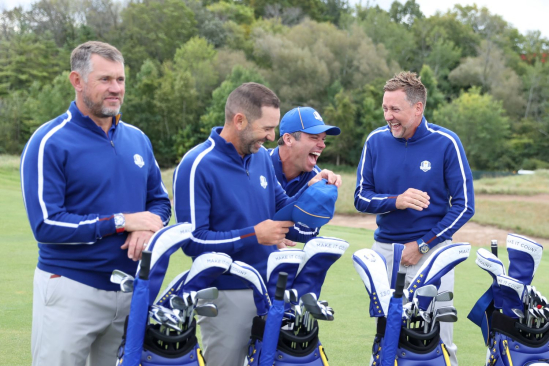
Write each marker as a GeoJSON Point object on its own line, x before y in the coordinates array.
{"type": "Point", "coordinates": [105, 226]}
{"type": "Point", "coordinates": [431, 239]}
{"type": "Point", "coordinates": [247, 237]}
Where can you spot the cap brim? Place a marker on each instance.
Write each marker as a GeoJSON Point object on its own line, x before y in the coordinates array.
{"type": "Point", "coordinates": [330, 130]}
{"type": "Point", "coordinates": [285, 213]}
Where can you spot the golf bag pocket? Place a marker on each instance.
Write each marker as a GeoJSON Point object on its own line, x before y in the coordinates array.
{"type": "Point", "coordinates": [292, 349]}
{"type": "Point", "coordinates": [515, 344]}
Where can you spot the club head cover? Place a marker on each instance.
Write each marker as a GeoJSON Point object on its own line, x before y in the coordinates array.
{"type": "Point", "coordinates": [162, 245]}
{"type": "Point", "coordinates": [512, 291]}
{"type": "Point", "coordinates": [494, 266]}
{"type": "Point", "coordinates": [397, 257]}
{"type": "Point", "coordinates": [206, 268]}
{"type": "Point", "coordinates": [173, 288]}
{"type": "Point", "coordinates": [524, 257]}
{"type": "Point", "coordinates": [320, 253]}
{"type": "Point", "coordinates": [372, 269]}
{"type": "Point", "coordinates": [285, 260]}
{"type": "Point", "coordinates": [442, 261]}
{"type": "Point", "coordinates": [251, 277]}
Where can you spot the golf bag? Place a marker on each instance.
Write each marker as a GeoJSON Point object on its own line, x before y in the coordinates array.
{"type": "Point", "coordinates": [292, 350]}
{"type": "Point", "coordinates": [415, 348]}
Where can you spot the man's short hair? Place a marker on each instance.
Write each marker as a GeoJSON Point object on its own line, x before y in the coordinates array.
{"type": "Point", "coordinates": [248, 99]}
{"type": "Point", "coordinates": [411, 84]}
{"type": "Point", "coordinates": [296, 135]}
{"type": "Point", "coordinates": [81, 56]}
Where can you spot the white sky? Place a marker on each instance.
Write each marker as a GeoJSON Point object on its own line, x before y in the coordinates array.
{"type": "Point", "coordinates": [525, 15]}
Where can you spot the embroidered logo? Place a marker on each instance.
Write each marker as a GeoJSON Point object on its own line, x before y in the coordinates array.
{"type": "Point", "coordinates": [317, 116]}
{"type": "Point", "coordinates": [138, 160]}
{"type": "Point", "coordinates": [263, 181]}
{"type": "Point", "coordinates": [425, 166]}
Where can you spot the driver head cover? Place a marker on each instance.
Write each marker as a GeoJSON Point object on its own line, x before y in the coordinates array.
{"type": "Point", "coordinates": [205, 269]}
{"type": "Point", "coordinates": [442, 261]}
{"type": "Point", "coordinates": [253, 280]}
{"type": "Point", "coordinates": [320, 253]}
{"type": "Point", "coordinates": [372, 269]}
{"type": "Point", "coordinates": [285, 260]}
{"type": "Point", "coordinates": [524, 257]}
{"type": "Point", "coordinates": [512, 291]}
{"type": "Point", "coordinates": [493, 265]}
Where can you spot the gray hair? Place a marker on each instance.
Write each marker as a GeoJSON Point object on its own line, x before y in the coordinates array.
{"type": "Point", "coordinates": [81, 56]}
{"type": "Point", "coordinates": [296, 135]}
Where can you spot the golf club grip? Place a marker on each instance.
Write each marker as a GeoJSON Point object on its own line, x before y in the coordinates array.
{"type": "Point", "coordinates": [281, 285]}
{"type": "Point", "coordinates": [145, 265]}
{"type": "Point", "coordinates": [494, 246]}
{"type": "Point", "coordinates": [399, 286]}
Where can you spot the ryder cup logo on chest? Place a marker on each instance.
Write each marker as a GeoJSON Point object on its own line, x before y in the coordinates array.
{"type": "Point", "coordinates": [138, 160]}
{"type": "Point", "coordinates": [425, 165]}
{"type": "Point", "coordinates": [263, 182]}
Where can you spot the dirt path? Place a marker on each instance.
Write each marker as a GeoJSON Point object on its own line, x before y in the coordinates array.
{"type": "Point", "coordinates": [470, 232]}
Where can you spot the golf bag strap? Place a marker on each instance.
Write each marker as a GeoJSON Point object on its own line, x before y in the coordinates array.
{"type": "Point", "coordinates": [381, 324]}
{"type": "Point", "coordinates": [510, 327]}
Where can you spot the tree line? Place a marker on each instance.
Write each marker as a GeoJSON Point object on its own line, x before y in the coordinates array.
{"type": "Point", "coordinates": [486, 81]}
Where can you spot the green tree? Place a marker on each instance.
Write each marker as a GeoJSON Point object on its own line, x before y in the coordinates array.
{"type": "Point", "coordinates": [434, 97]}
{"type": "Point", "coordinates": [345, 147]}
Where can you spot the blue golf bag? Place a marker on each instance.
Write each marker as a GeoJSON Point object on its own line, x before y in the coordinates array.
{"type": "Point", "coordinates": [292, 350]}
{"type": "Point", "coordinates": [415, 348]}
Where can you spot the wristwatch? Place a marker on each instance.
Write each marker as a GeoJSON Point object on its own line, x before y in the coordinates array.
{"type": "Point", "coordinates": [422, 246]}
{"type": "Point", "coordinates": [119, 222]}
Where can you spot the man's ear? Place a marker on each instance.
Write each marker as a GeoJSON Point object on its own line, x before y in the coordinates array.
{"type": "Point", "coordinates": [419, 108]}
{"type": "Point", "coordinates": [240, 121]}
{"type": "Point", "coordinates": [288, 139]}
{"type": "Point", "coordinates": [76, 81]}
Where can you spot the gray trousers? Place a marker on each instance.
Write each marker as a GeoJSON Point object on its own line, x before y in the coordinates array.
{"type": "Point", "coordinates": [74, 324]}
{"type": "Point", "coordinates": [225, 337]}
{"type": "Point", "coordinates": [447, 284]}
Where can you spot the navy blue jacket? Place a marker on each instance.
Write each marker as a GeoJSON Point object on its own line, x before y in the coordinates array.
{"type": "Point", "coordinates": [224, 196]}
{"type": "Point", "coordinates": [73, 179]}
{"type": "Point", "coordinates": [433, 161]}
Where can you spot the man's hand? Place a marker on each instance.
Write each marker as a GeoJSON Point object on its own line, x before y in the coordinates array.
{"type": "Point", "coordinates": [330, 176]}
{"type": "Point", "coordinates": [285, 243]}
{"type": "Point", "coordinates": [411, 254]}
{"type": "Point", "coordinates": [271, 232]}
{"type": "Point", "coordinates": [136, 242]}
{"type": "Point", "coordinates": [414, 199]}
{"type": "Point", "coordinates": [143, 221]}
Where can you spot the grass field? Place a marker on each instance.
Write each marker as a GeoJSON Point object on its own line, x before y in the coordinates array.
{"type": "Point", "coordinates": [347, 340]}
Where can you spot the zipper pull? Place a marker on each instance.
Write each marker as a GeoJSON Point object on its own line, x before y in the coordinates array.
{"type": "Point", "coordinates": [112, 143]}
{"type": "Point", "coordinates": [247, 172]}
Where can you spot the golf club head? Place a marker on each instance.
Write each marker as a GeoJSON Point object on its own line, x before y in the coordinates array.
{"type": "Point", "coordinates": [253, 280]}
{"type": "Point", "coordinates": [285, 260]}
{"type": "Point", "coordinates": [437, 265]}
{"type": "Point", "coordinates": [444, 296]}
{"type": "Point", "coordinates": [519, 313]}
{"type": "Point", "coordinates": [494, 267]}
{"type": "Point", "coordinates": [425, 295]}
{"type": "Point", "coordinates": [512, 292]}
{"type": "Point", "coordinates": [117, 276]}
{"type": "Point", "coordinates": [372, 269]}
{"type": "Point", "coordinates": [177, 302]}
{"type": "Point", "coordinates": [524, 257]}
{"type": "Point", "coordinates": [126, 285]}
{"type": "Point", "coordinates": [447, 318]}
{"type": "Point", "coordinates": [209, 310]}
{"type": "Point", "coordinates": [320, 253]}
{"type": "Point", "coordinates": [210, 293]}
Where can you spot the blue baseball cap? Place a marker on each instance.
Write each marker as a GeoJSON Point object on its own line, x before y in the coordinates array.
{"type": "Point", "coordinates": [305, 119]}
{"type": "Point", "coordinates": [314, 208]}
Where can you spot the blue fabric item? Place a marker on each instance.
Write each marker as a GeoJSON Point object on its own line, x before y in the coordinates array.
{"type": "Point", "coordinates": [512, 291]}
{"type": "Point", "coordinates": [137, 323]}
{"type": "Point", "coordinates": [190, 359]}
{"type": "Point", "coordinates": [285, 359]}
{"type": "Point", "coordinates": [252, 279]}
{"type": "Point", "coordinates": [481, 314]}
{"type": "Point", "coordinates": [314, 208]}
{"type": "Point", "coordinates": [287, 260]}
{"type": "Point", "coordinates": [521, 354]}
{"type": "Point", "coordinates": [397, 257]}
{"type": "Point", "coordinates": [224, 196]}
{"type": "Point", "coordinates": [272, 325]}
{"type": "Point", "coordinates": [524, 257]}
{"type": "Point", "coordinates": [305, 119]}
{"type": "Point", "coordinates": [494, 267]}
{"type": "Point", "coordinates": [173, 287]}
{"type": "Point", "coordinates": [73, 180]}
{"type": "Point", "coordinates": [389, 345]}
{"type": "Point", "coordinates": [372, 269]}
{"type": "Point", "coordinates": [206, 268]}
{"type": "Point", "coordinates": [433, 161]}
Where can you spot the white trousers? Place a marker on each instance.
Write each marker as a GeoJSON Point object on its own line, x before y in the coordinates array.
{"type": "Point", "coordinates": [75, 324]}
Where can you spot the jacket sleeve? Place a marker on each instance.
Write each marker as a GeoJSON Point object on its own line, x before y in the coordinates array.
{"type": "Point", "coordinates": [192, 201]}
{"type": "Point", "coordinates": [158, 201]}
{"type": "Point", "coordinates": [366, 199]}
{"type": "Point", "coordinates": [459, 181]}
{"type": "Point", "coordinates": [43, 186]}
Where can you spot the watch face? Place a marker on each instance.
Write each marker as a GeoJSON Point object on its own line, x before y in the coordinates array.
{"type": "Point", "coordinates": [119, 220]}
{"type": "Point", "coordinates": [424, 248]}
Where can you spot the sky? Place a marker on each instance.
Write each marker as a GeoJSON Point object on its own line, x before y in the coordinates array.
{"type": "Point", "coordinates": [525, 15]}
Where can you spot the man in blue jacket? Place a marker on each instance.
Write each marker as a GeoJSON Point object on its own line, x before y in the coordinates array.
{"type": "Point", "coordinates": [302, 136]}
{"type": "Point", "coordinates": [415, 177]}
{"type": "Point", "coordinates": [227, 188]}
{"type": "Point", "coordinates": [94, 196]}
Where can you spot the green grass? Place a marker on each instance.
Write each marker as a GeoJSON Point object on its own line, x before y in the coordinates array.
{"type": "Point", "coordinates": [526, 185]}
{"type": "Point", "coordinates": [348, 339]}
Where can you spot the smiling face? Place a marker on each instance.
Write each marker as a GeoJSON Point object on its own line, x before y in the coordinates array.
{"type": "Point", "coordinates": [256, 133]}
{"type": "Point", "coordinates": [402, 117]}
{"type": "Point", "coordinates": [102, 94]}
{"type": "Point", "coordinates": [304, 153]}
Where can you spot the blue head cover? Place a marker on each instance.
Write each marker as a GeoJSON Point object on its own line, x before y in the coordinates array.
{"type": "Point", "coordinates": [286, 260]}
{"type": "Point", "coordinates": [314, 208]}
{"type": "Point", "coordinates": [493, 265]}
{"type": "Point", "coordinates": [173, 287]}
{"type": "Point", "coordinates": [320, 253]}
{"type": "Point", "coordinates": [512, 291]}
{"type": "Point", "coordinates": [305, 119]}
{"type": "Point", "coordinates": [439, 263]}
{"type": "Point", "coordinates": [162, 245]}
{"type": "Point", "coordinates": [253, 280]}
{"type": "Point", "coordinates": [372, 268]}
{"type": "Point", "coordinates": [205, 269]}
{"type": "Point", "coordinates": [524, 257]}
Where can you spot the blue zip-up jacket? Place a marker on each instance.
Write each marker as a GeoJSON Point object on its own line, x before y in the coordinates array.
{"type": "Point", "coordinates": [303, 233]}
{"type": "Point", "coordinates": [433, 161]}
{"type": "Point", "coordinates": [73, 179]}
{"type": "Point", "coordinates": [224, 196]}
